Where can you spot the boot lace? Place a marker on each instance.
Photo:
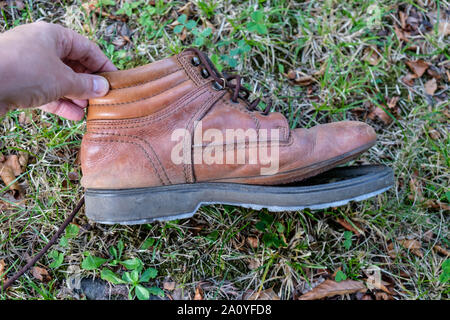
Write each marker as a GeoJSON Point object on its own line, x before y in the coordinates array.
{"type": "Point", "coordinates": [223, 81]}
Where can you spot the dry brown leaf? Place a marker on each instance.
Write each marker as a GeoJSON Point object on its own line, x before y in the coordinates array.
{"type": "Point", "coordinates": [12, 161]}
{"type": "Point", "coordinates": [330, 288]}
{"type": "Point", "coordinates": [428, 236]}
{"type": "Point", "coordinates": [392, 104]}
{"type": "Point", "coordinates": [183, 34]}
{"type": "Point", "coordinates": [410, 244]}
{"type": "Point", "coordinates": [391, 250]}
{"type": "Point", "coordinates": [413, 245]}
{"type": "Point", "coordinates": [382, 296]}
{"type": "Point", "coordinates": [401, 35]}
{"type": "Point", "coordinates": [267, 294]}
{"type": "Point", "coordinates": [435, 204]}
{"type": "Point", "coordinates": [91, 6]}
{"type": "Point", "coordinates": [253, 242]}
{"type": "Point", "coordinates": [349, 227]}
{"type": "Point", "coordinates": [169, 285]}
{"type": "Point", "coordinates": [41, 274]}
{"type": "Point", "coordinates": [379, 114]}
{"type": "Point", "coordinates": [444, 28]}
{"type": "Point", "coordinates": [434, 72]}
{"type": "Point", "coordinates": [300, 80]}
{"type": "Point", "coordinates": [418, 67]}
{"type": "Point", "coordinates": [372, 56]}
{"type": "Point", "coordinates": [73, 176]}
{"type": "Point", "coordinates": [380, 285]}
{"type": "Point", "coordinates": [253, 264]}
{"type": "Point", "coordinates": [10, 168]}
{"type": "Point", "coordinates": [186, 9]}
{"type": "Point", "coordinates": [402, 17]}
{"type": "Point", "coordinates": [2, 268]}
{"type": "Point", "coordinates": [409, 79]}
{"type": "Point", "coordinates": [438, 249]}
{"type": "Point", "coordinates": [430, 86]}
{"type": "Point", "coordinates": [415, 185]}
{"type": "Point", "coordinates": [304, 81]}
{"type": "Point", "coordinates": [434, 134]}
{"type": "Point", "coordinates": [198, 293]}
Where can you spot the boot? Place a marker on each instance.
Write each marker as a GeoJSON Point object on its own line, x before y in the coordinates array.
{"type": "Point", "coordinates": [176, 133]}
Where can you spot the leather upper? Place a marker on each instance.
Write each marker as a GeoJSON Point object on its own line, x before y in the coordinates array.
{"type": "Point", "coordinates": [129, 140]}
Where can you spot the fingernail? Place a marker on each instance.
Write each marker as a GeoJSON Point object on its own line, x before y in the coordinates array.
{"type": "Point", "coordinates": [101, 85]}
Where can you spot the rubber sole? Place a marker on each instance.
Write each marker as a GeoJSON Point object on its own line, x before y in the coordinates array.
{"type": "Point", "coordinates": [145, 205]}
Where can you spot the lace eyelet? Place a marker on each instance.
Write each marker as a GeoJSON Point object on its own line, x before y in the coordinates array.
{"type": "Point", "coordinates": [195, 61]}
{"type": "Point", "coordinates": [217, 86]}
{"type": "Point", "coordinates": [205, 73]}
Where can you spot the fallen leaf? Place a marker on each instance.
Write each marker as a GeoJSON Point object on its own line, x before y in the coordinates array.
{"type": "Point", "coordinates": [434, 134]}
{"type": "Point", "coordinates": [267, 294]}
{"type": "Point", "coordinates": [428, 235]}
{"type": "Point", "coordinates": [372, 56]}
{"type": "Point", "coordinates": [418, 67]}
{"type": "Point", "coordinates": [41, 274]}
{"type": "Point", "coordinates": [198, 293]}
{"type": "Point", "coordinates": [253, 242]}
{"type": "Point", "coordinates": [438, 249]}
{"type": "Point", "coordinates": [435, 204]}
{"type": "Point", "coordinates": [12, 161]}
{"type": "Point", "coordinates": [415, 185]}
{"type": "Point", "coordinates": [402, 17]}
{"type": "Point", "coordinates": [444, 28]}
{"type": "Point", "coordinates": [304, 81]}
{"type": "Point", "coordinates": [23, 159]}
{"type": "Point", "coordinates": [391, 250]}
{"type": "Point", "coordinates": [401, 35]}
{"type": "Point", "coordinates": [412, 245]}
{"type": "Point", "coordinates": [382, 296]}
{"type": "Point", "coordinates": [330, 288]}
{"type": "Point", "coordinates": [392, 104]}
{"type": "Point", "coordinates": [73, 176]}
{"type": "Point", "coordinates": [253, 264]}
{"type": "Point", "coordinates": [169, 285]}
{"type": "Point", "coordinates": [186, 9]}
{"type": "Point", "coordinates": [430, 86]}
{"type": "Point", "coordinates": [349, 227]}
{"type": "Point", "coordinates": [299, 78]}
{"type": "Point", "coordinates": [380, 285]}
{"type": "Point", "coordinates": [434, 72]}
{"type": "Point", "coordinates": [378, 113]}
{"type": "Point", "coordinates": [2, 268]}
{"type": "Point", "coordinates": [409, 79]}
{"type": "Point", "coordinates": [12, 166]}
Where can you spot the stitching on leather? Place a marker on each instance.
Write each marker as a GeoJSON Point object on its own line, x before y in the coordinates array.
{"type": "Point", "coordinates": [137, 144]}
{"type": "Point", "coordinates": [202, 109]}
{"type": "Point", "coordinates": [164, 113]}
{"type": "Point", "coordinates": [142, 140]}
{"type": "Point", "coordinates": [144, 82]}
{"type": "Point", "coordinates": [142, 99]}
{"type": "Point", "coordinates": [191, 72]}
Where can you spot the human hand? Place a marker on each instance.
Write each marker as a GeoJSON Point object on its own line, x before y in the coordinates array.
{"type": "Point", "coordinates": [47, 65]}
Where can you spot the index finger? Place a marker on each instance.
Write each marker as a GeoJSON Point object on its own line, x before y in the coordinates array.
{"type": "Point", "coordinates": [79, 48]}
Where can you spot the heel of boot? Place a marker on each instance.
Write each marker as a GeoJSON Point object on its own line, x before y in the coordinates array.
{"type": "Point", "coordinates": [138, 206]}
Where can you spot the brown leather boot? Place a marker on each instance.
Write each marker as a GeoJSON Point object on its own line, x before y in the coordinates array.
{"type": "Point", "coordinates": [178, 124]}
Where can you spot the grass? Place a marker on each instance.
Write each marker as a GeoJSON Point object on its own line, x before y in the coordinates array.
{"type": "Point", "coordinates": [214, 250]}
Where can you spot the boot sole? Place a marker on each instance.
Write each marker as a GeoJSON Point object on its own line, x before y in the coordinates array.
{"type": "Point", "coordinates": [333, 188]}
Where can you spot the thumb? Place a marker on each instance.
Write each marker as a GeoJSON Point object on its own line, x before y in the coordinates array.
{"type": "Point", "coordinates": [86, 86]}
